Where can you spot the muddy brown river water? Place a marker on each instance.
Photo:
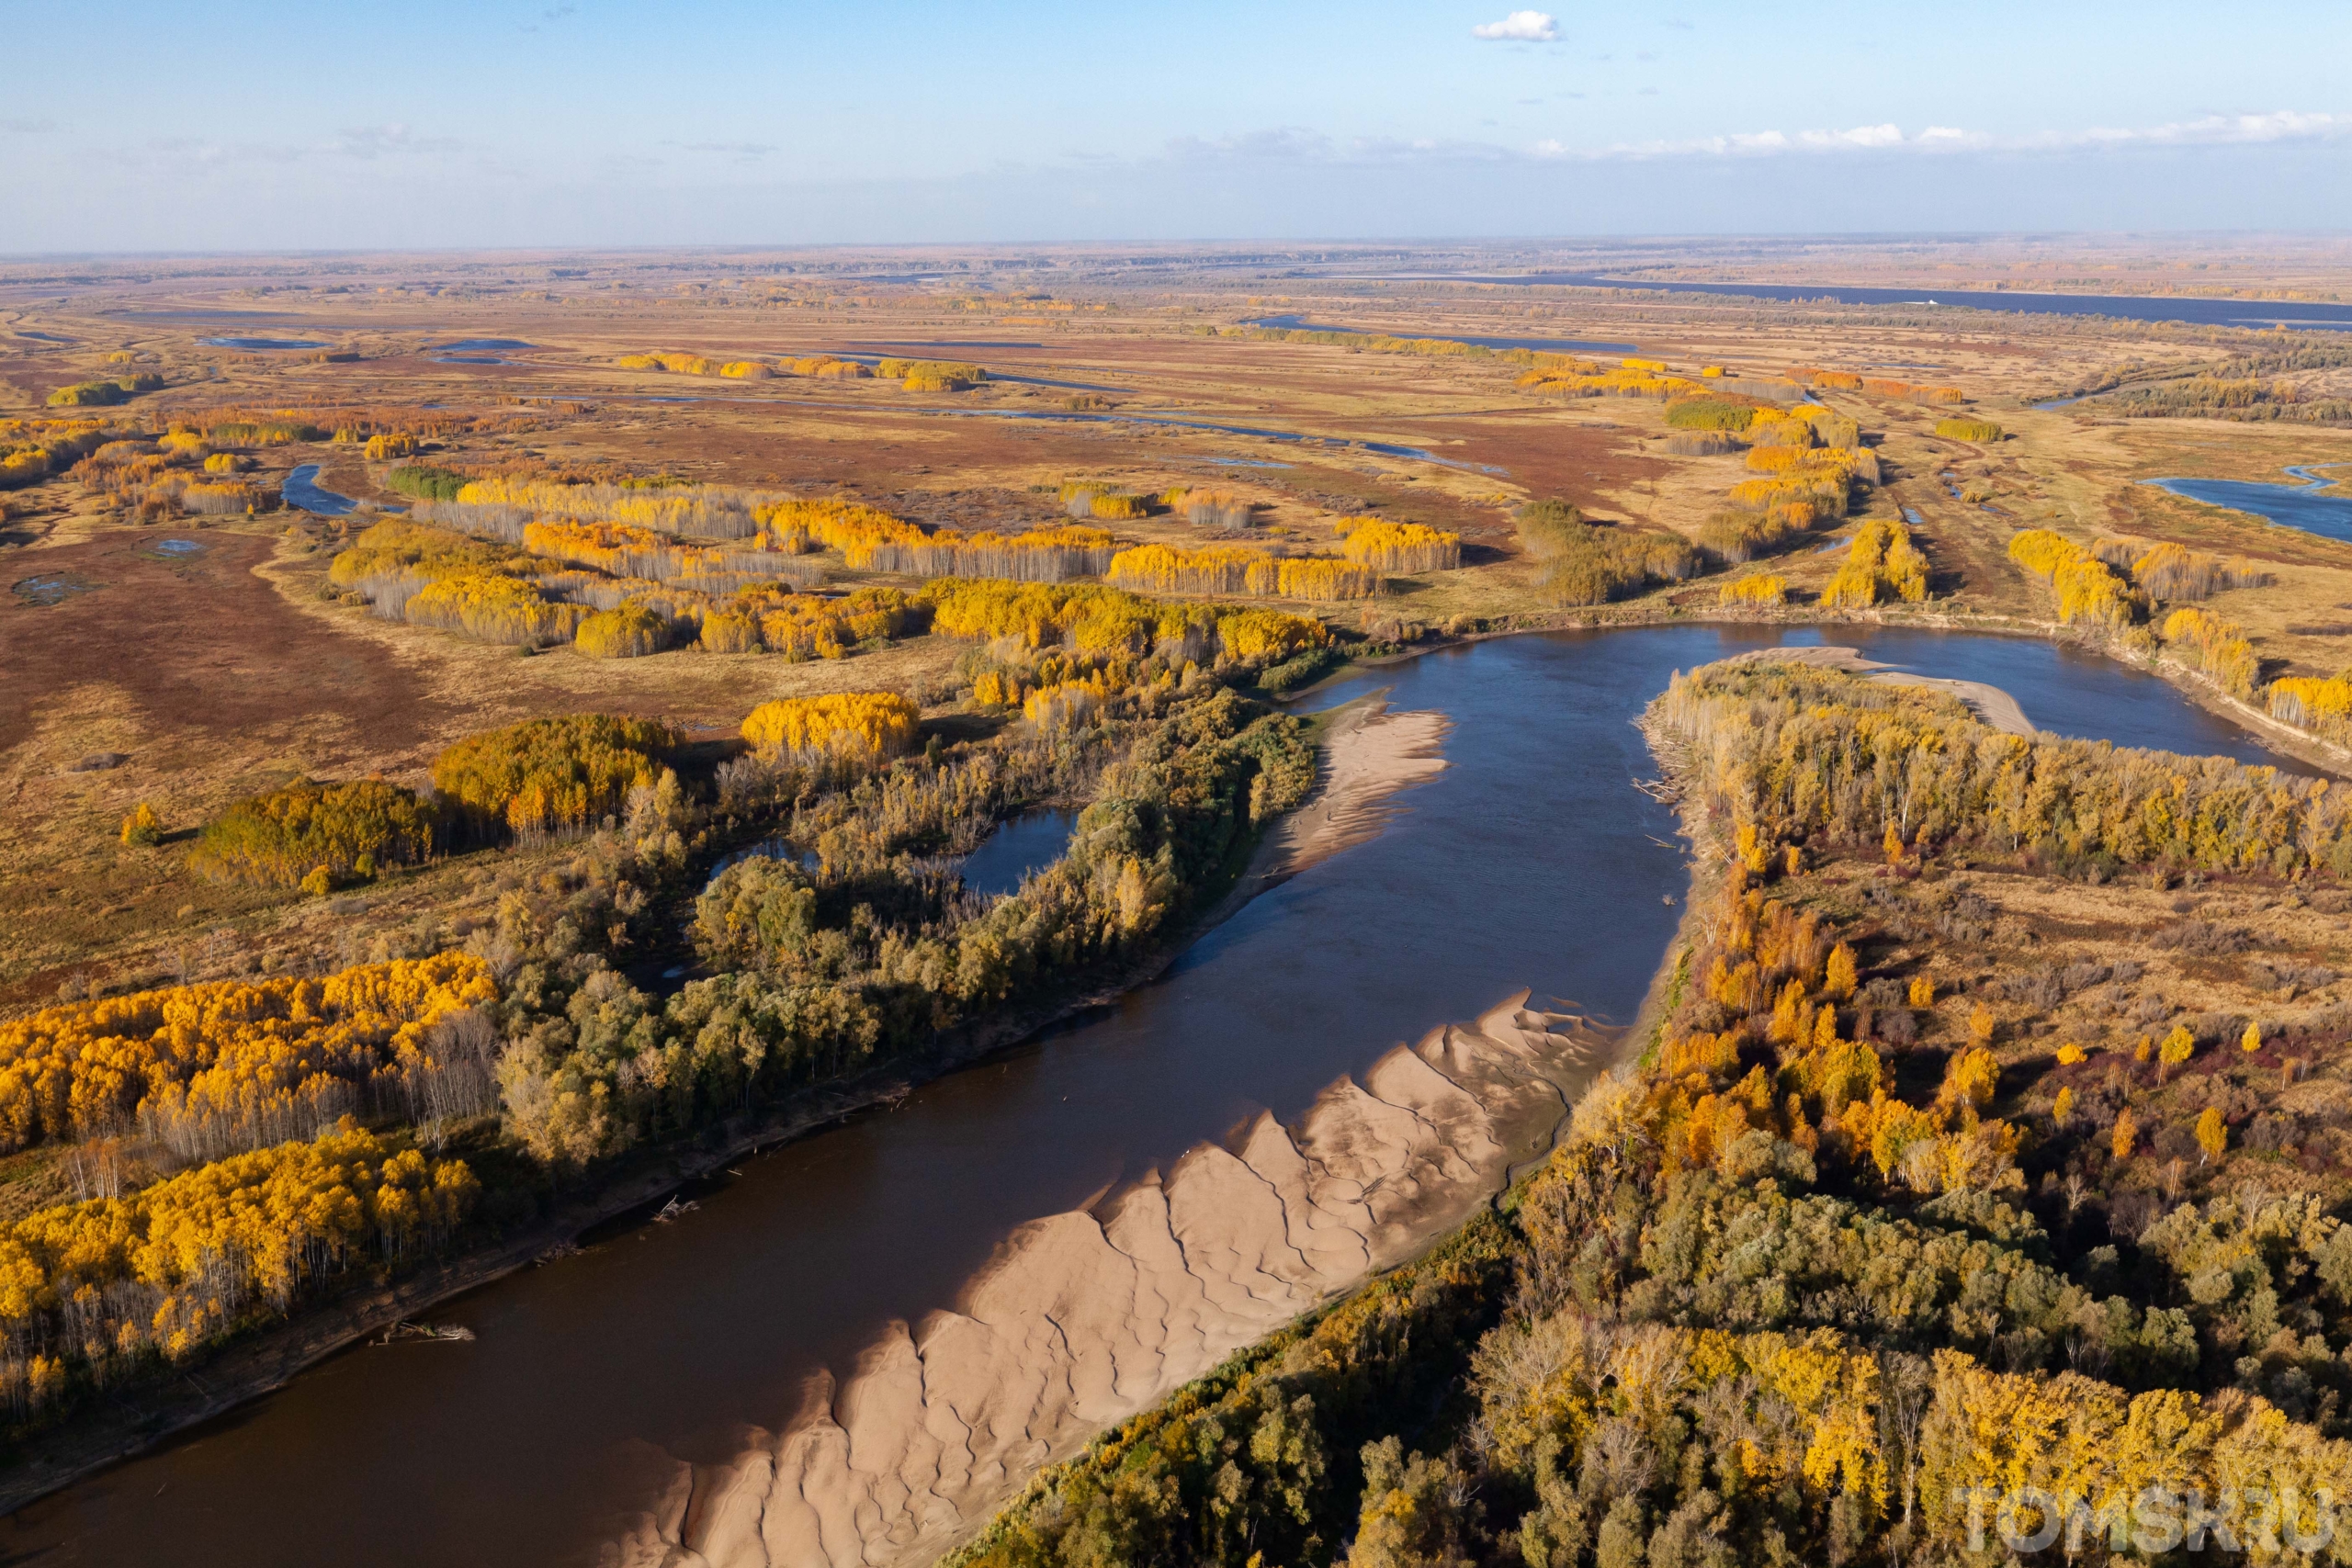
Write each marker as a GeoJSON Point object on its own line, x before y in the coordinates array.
{"type": "Point", "coordinates": [1530, 863]}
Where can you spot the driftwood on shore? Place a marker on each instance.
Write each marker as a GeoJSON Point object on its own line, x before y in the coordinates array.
{"type": "Point", "coordinates": [404, 1330]}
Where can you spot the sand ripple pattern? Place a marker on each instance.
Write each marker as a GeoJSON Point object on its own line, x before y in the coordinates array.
{"type": "Point", "coordinates": [1085, 1318]}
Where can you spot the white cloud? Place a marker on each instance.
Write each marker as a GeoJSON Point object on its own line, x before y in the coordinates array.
{"type": "Point", "coordinates": [376, 141]}
{"type": "Point", "coordinates": [2211, 130]}
{"type": "Point", "coordinates": [1520, 27]}
{"type": "Point", "coordinates": [1294, 144]}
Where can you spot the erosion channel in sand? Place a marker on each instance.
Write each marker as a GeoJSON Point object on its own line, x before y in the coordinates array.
{"type": "Point", "coordinates": [1087, 1318]}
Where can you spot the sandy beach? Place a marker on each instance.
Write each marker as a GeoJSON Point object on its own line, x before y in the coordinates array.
{"type": "Point", "coordinates": [1085, 1318]}
{"type": "Point", "coordinates": [1988, 702]}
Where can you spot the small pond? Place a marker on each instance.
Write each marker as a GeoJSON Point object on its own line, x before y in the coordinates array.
{"type": "Point", "coordinates": [51, 588]}
{"type": "Point", "coordinates": [258, 342]}
{"type": "Point", "coordinates": [1019, 848]}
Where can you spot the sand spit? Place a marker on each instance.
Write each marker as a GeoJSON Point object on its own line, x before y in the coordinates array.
{"type": "Point", "coordinates": [1369, 755]}
{"type": "Point", "coordinates": [1084, 1318]}
{"type": "Point", "coordinates": [1989, 703]}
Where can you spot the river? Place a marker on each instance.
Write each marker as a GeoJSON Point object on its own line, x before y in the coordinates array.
{"type": "Point", "coordinates": [1530, 862]}
{"type": "Point", "coordinates": [1539, 345]}
{"type": "Point", "coordinates": [2250, 313]}
{"type": "Point", "coordinates": [302, 489]}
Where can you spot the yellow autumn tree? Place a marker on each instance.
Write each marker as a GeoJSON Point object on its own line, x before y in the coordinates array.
{"type": "Point", "coordinates": [880, 724]}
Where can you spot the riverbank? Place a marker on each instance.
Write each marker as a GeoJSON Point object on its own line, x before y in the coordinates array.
{"type": "Point", "coordinates": [1365, 755]}
{"type": "Point", "coordinates": [1939, 950]}
{"type": "Point", "coordinates": [1997, 707]}
{"type": "Point", "coordinates": [2323, 754]}
{"type": "Point", "coordinates": [1087, 1317]}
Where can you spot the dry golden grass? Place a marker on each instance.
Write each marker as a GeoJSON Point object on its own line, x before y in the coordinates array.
{"type": "Point", "coordinates": [279, 682]}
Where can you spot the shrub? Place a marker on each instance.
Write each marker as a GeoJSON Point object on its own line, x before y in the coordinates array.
{"type": "Point", "coordinates": [420, 483]}
{"type": "Point", "coordinates": [2208, 643]}
{"type": "Point", "coordinates": [225, 496]}
{"type": "Point", "coordinates": [1233, 569]}
{"type": "Point", "coordinates": [88, 394]}
{"type": "Point", "coordinates": [1088, 618]}
{"type": "Point", "coordinates": [1709, 414]}
{"type": "Point", "coordinates": [1882, 562]}
{"type": "Point", "coordinates": [142, 827]}
{"type": "Point", "coordinates": [494, 608]}
{"type": "Point", "coordinates": [1212, 508]}
{"type": "Point", "coordinates": [552, 773]}
{"type": "Point", "coordinates": [2086, 589]}
{"type": "Point", "coordinates": [1401, 547]}
{"type": "Point", "coordinates": [1271, 635]}
{"type": "Point", "coordinates": [1973, 429]}
{"type": "Point", "coordinates": [933, 375]}
{"type": "Point", "coordinates": [274, 838]}
{"type": "Point", "coordinates": [1740, 536]}
{"type": "Point", "coordinates": [631, 631]}
{"type": "Point", "coordinates": [1584, 564]}
{"type": "Point", "coordinates": [1754, 591]}
{"type": "Point", "coordinates": [880, 724]}
{"type": "Point", "coordinates": [2176, 573]}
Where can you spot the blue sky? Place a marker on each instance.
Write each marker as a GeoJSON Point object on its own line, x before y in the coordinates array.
{"type": "Point", "coordinates": [250, 124]}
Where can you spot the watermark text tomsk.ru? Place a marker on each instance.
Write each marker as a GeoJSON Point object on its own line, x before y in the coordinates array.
{"type": "Point", "coordinates": [2156, 1519]}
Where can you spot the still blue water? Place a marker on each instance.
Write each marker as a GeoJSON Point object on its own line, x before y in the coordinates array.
{"type": "Point", "coordinates": [1027, 844]}
{"type": "Point", "coordinates": [1540, 344]}
{"type": "Point", "coordinates": [2303, 506]}
{"type": "Point", "coordinates": [302, 489]}
{"type": "Point", "coordinates": [2249, 313]}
